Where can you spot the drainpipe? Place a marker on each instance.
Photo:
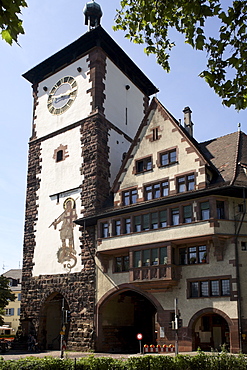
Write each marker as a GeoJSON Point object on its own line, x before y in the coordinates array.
{"type": "Point", "coordinates": [237, 232]}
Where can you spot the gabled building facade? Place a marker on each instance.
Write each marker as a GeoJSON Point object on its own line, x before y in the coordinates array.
{"type": "Point", "coordinates": [12, 310]}
{"type": "Point", "coordinates": [176, 231]}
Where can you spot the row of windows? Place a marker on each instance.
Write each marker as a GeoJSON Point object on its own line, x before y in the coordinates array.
{"type": "Point", "coordinates": [11, 311]}
{"type": "Point", "coordinates": [158, 256]}
{"type": "Point", "coordinates": [192, 255]}
{"type": "Point", "coordinates": [155, 220]}
{"type": "Point", "coordinates": [164, 159]}
{"type": "Point", "coordinates": [159, 189]}
{"type": "Point", "coordinates": [210, 288]}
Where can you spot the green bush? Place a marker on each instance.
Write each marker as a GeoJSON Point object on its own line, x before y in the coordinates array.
{"type": "Point", "coordinates": [201, 361]}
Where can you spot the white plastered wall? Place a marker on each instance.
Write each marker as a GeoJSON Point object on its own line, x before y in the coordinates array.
{"type": "Point", "coordinates": [46, 122]}
{"type": "Point", "coordinates": [118, 145]}
{"type": "Point", "coordinates": [118, 99]}
{"type": "Point", "coordinates": [63, 178]}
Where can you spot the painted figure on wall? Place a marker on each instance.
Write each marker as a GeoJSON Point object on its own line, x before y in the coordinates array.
{"type": "Point", "coordinates": [67, 252]}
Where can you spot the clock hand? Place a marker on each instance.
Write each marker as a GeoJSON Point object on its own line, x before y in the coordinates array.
{"type": "Point", "coordinates": [65, 94]}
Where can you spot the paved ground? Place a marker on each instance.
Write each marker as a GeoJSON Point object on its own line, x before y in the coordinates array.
{"type": "Point", "coordinates": [15, 355]}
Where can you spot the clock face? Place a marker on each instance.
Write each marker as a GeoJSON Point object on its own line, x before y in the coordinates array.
{"type": "Point", "coordinates": [62, 95]}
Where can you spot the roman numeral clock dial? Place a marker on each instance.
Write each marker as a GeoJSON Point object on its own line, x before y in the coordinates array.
{"type": "Point", "coordinates": [62, 95]}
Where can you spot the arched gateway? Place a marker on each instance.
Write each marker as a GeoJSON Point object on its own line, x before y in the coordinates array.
{"type": "Point", "coordinates": [212, 329]}
{"type": "Point", "coordinates": [51, 322]}
{"type": "Point", "coordinates": [121, 316]}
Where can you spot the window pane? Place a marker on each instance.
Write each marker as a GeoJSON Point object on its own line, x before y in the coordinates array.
{"type": "Point", "coordinates": [205, 214]}
{"type": "Point", "coordinates": [187, 213]}
{"type": "Point", "coordinates": [137, 259]}
{"type": "Point", "coordinates": [117, 230]}
{"type": "Point", "coordinates": [204, 289]}
{"type": "Point", "coordinates": [175, 216]}
{"type": "Point", "coordinates": [118, 262]}
{"type": "Point", "coordinates": [146, 222]}
{"type": "Point", "coordinates": [154, 220]}
{"type": "Point", "coordinates": [146, 257]}
{"type": "Point", "coordinates": [183, 259]}
{"type": "Point", "coordinates": [194, 289]}
{"type": "Point", "coordinates": [181, 185]}
{"type": "Point", "coordinates": [148, 163]}
{"type": "Point", "coordinates": [127, 226]}
{"type": "Point", "coordinates": [192, 255]}
{"type": "Point", "coordinates": [164, 159]}
{"type": "Point", "coordinates": [126, 263]}
{"type": "Point", "coordinates": [126, 198]}
{"type": "Point", "coordinates": [202, 252]}
{"type": "Point", "coordinates": [137, 223]}
{"type": "Point", "coordinates": [225, 287]}
{"type": "Point", "coordinates": [215, 288]}
{"type": "Point", "coordinates": [191, 182]}
{"type": "Point", "coordinates": [139, 166]}
{"type": "Point", "coordinates": [163, 255]}
{"type": "Point", "coordinates": [220, 210]}
{"type": "Point", "coordinates": [133, 196]}
{"type": "Point", "coordinates": [156, 191]}
{"type": "Point", "coordinates": [154, 256]}
{"type": "Point", "coordinates": [165, 188]}
{"type": "Point", "coordinates": [104, 230]}
{"type": "Point", "coordinates": [148, 192]}
{"type": "Point", "coordinates": [163, 218]}
{"type": "Point", "coordinates": [173, 156]}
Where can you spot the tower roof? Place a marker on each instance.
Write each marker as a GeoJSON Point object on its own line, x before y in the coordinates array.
{"type": "Point", "coordinates": [93, 13]}
{"type": "Point", "coordinates": [97, 37]}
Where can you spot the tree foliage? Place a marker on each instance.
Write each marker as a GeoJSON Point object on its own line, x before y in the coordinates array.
{"type": "Point", "coordinates": [149, 22]}
{"type": "Point", "coordinates": [5, 295]}
{"type": "Point", "coordinates": [10, 23]}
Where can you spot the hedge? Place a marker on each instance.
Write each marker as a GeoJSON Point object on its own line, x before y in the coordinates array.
{"type": "Point", "coordinates": [201, 361]}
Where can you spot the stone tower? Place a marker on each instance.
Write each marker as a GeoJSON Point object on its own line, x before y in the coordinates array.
{"type": "Point", "coordinates": [89, 99]}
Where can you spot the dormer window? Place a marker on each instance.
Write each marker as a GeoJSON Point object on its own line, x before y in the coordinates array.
{"type": "Point", "coordinates": [144, 164]}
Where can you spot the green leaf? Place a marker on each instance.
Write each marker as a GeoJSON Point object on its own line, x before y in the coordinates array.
{"type": "Point", "coordinates": [7, 36]}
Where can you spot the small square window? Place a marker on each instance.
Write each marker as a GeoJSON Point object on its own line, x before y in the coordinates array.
{"type": "Point", "coordinates": [59, 155]}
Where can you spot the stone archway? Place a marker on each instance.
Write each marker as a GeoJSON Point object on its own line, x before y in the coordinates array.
{"type": "Point", "coordinates": [121, 316]}
{"type": "Point", "coordinates": [212, 328]}
{"type": "Point", "coordinates": [51, 322]}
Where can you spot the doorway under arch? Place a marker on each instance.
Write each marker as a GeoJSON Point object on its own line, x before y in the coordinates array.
{"type": "Point", "coordinates": [211, 331]}
{"type": "Point", "coordinates": [51, 322]}
{"type": "Point", "coordinates": [121, 317]}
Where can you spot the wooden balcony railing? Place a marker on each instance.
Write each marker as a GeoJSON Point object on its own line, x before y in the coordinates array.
{"type": "Point", "coordinates": [152, 273]}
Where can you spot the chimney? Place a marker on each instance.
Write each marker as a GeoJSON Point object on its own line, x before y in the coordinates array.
{"type": "Point", "coordinates": [188, 124]}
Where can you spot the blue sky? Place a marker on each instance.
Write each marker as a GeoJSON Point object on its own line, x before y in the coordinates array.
{"type": "Point", "coordinates": [50, 26]}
